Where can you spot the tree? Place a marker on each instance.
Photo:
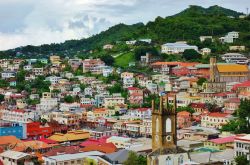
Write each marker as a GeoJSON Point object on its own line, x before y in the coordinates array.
{"type": "Point", "coordinates": [133, 158]}
{"type": "Point", "coordinates": [21, 75]}
{"type": "Point", "coordinates": [188, 109]}
{"type": "Point", "coordinates": [191, 54]}
{"type": "Point", "coordinates": [201, 81]}
{"type": "Point", "coordinates": [242, 122]}
{"type": "Point", "coordinates": [108, 59]}
{"type": "Point", "coordinates": [241, 160]}
{"type": "Point", "coordinates": [69, 99]}
{"type": "Point", "coordinates": [1, 97]}
{"type": "Point", "coordinates": [141, 51]}
{"type": "Point", "coordinates": [3, 83]}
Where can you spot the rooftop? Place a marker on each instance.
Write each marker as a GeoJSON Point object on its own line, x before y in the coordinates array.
{"type": "Point", "coordinates": [14, 154]}
{"type": "Point", "coordinates": [75, 156]}
{"type": "Point", "coordinates": [232, 68]}
{"type": "Point", "coordinates": [223, 140]}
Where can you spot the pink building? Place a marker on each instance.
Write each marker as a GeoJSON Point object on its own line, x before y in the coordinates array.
{"type": "Point", "coordinates": [94, 66]}
{"type": "Point", "coordinates": [135, 95]}
{"type": "Point", "coordinates": [183, 119]}
{"type": "Point", "coordinates": [231, 105]}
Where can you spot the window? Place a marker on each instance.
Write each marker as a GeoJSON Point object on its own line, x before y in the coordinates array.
{"type": "Point", "coordinates": [157, 125]}
{"type": "Point", "coordinates": [169, 161]}
{"type": "Point", "coordinates": [168, 125]}
{"type": "Point", "coordinates": [180, 160]}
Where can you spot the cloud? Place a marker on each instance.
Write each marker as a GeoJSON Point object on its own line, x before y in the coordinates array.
{"type": "Point", "coordinates": [52, 21]}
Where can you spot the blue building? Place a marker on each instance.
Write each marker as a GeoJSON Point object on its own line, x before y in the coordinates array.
{"type": "Point", "coordinates": [14, 129]}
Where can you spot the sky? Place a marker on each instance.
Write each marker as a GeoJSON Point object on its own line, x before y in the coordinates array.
{"type": "Point", "coordinates": [36, 22]}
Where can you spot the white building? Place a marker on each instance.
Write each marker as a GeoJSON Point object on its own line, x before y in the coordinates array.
{"type": "Point", "coordinates": [242, 146]}
{"type": "Point", "coordinates": [146, 40]}
{"type": "Point", "coordinates": [20, 116]}
{"type": "Point", "coordinates": [87, 101]}
{"type": "Point", "coordinates": [230, 37]}
{"type": "Point", "coordinates": [108, 46]}
{"type": "Point", "coordinates": [69, 106]}
{"type": "Point", "coordinates": [235, 58]}
{"type": "Point", "coordinates": [237, 48]}
{"type": "Point", "coordinates": [132, 42]}
{"type": "Point", "coordinates": [176, 48]}
{"type": "Point", "coordinates": [37, 71]}
{"type": "Point", "coordinates": [88, 91]}
{"type": "Point", "coordinates": [71, 159]}
{"type": "Point", "coordinates": [53, 79]}
{"type": "Point", "coordinates": [120, 142]}
{"type": "Point", "coordinates": [8, 74]}
{"type": "Point", "coordinates": [152, 87]}
{"type": "Point", "coordinates": [141, 113]}
{"type": "Point", "coordinates": [15, 158]}
{"type": "Point", "coordinates": [113, 101]}
{"type": "Point", "coordinates": [107, 71]}
{"type": "Point", "coordinates": [203, 38]}
{"type": "Point", "coordinates": [205, 51]}
{"type": "Point", "coordinates": [128, 82]}
{"type": "Point", "coordinates": [27, 67]}
{"type": "Point", "coordinates": [47, 102]}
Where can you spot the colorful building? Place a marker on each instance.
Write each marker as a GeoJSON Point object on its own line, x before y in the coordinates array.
{"type": "Point", "coordinates": [220, 143]}
{"type": "Point", "coordinates": [36, 130]}
{"type": "Point", "coordinates": [184, 119]}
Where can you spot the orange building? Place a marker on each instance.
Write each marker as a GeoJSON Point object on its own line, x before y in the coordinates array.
{"type": "Point", "coordinates": [183, 119]}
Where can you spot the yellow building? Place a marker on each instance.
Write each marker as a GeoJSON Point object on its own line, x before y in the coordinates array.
{"type": "Point", "coordinates": [55, 60]}
{"type": "Point", "coordinates": [70, 136]}
{"type": "Point", "coordinates": [228, 72]}
{"type": "Point", "coordinates": [220, 143]}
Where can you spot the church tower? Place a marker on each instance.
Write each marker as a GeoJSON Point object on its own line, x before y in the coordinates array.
{"type": "Point", "coordinates": [164, 135]}
{"type": "Point", "coordinates": [213, 69]}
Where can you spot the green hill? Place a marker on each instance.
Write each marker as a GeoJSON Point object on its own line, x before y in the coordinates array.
{"type": "Point", "coordinates": [187, 25]}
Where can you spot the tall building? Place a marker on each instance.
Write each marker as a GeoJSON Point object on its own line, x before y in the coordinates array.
{"type": "Point", "coordinates": [164, 136]}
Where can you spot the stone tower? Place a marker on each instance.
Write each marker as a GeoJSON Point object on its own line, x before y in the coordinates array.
{"type": "Point", "coordinates": [164, 134]}
{"type": "Point", "coordinates": [212, 69]}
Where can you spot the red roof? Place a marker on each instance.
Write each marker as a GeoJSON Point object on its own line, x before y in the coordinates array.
{"type": "Point", "coordinates": [94, 141]}
{"type": "Point", "coordinates": [233, 100]}
{"type": "Point", "coordinates": [183, 113]}
{"type": "Point", "coordinates": [228, 139]}
{"type": "Point", "coordinates": [175, 63]}
{"type": "Point", "coordinates": [105, 148]}
{"type": "Point", "coordinates": [140, 109]}
{"type": "Point", "coordinates": [223, 94]}
{"type": "Point", "coordinates": [198, 105]}
{"type": "Point", "coordinates": [63, 149]}
{"type": "Point", "coordinates": [243, 84]}
{"type": "Point", "coordinates": [133, 88]}
{"type": "Point", "coordinates": [217, 114]}
{"type": "Point", "coordinates": [19, 111]}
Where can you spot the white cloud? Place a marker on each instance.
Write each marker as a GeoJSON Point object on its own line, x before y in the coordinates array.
{"type": "Point", "coordinates": [48, 21]}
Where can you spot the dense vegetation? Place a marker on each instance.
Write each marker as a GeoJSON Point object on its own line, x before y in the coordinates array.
{"type": "Point", "coordinates": [187, 25]}
{"type": "Point", "coordinates": [242, 122]}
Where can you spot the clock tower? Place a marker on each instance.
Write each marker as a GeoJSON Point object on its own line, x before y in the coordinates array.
{"type": "Point", "coordinates": [164, 134]}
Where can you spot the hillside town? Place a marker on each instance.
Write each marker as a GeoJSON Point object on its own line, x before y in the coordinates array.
{"type": "Point", "coordinates": [177, 103]}
{"type": "Point", "coordinates": [172, 91]}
